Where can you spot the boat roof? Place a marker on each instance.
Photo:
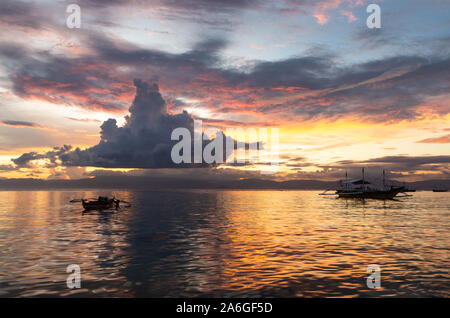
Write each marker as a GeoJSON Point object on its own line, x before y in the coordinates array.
{"type": "Point", "coordinates": [355, 181]}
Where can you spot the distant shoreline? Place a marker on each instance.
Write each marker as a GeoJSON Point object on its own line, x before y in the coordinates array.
{"type": "Point", "coordinates": [152, 183]}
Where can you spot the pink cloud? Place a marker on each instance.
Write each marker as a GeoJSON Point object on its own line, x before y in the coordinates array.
{"type": "Point", "coordinates": [349, 15]}
{"type": "Point", "coordinates": [322, 9]}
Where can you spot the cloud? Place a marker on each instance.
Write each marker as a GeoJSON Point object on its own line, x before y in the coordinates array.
{"type": "Point", "coordinates": [436, 140]}
{"type": "Point", "coordinates": [83, 120]}
{"type": "Point", "coordinates": [386, 90]}
{"type": "Point", "coordinates": [400, 164]}
{"type": "Point", "coordinates": [399, 167]}
{"type": "Point", "coordinates": [314, 85]}
{"type": "Point", "coordinates": [349, 15]}
{"type": "Point", "coordinates": [7, 168]}
{"type": "Point", "coordinates": [24, 160]}
{"type": "Point", "coordinates": [100, 81]}
{"type": "Point", "coordinates": [143, 142]}
{"type": "Point", "coordinates": [22, 124]}
{"type": "Point", "coordinates": [20, 14]}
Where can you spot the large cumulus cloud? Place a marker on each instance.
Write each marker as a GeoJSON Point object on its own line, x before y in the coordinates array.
{"type": "Point", "coordinates": [144, 141]}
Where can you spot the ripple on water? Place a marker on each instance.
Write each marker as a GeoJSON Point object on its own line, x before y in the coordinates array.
{"type": "Point", "coordinates": [224, 243]}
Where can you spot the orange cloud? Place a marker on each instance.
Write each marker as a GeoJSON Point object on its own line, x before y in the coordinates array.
{"type": "Point", "coordinates": [436, 140]}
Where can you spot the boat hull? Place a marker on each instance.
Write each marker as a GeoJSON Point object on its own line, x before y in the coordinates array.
{"type": "Point", "coordinates": [97, 205]}
{"type": "Point", "coordinates": [376, 194]}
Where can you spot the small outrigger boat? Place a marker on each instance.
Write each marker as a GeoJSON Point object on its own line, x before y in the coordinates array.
{"type": "Point", "coordinates": [358, 189]}
{"type": "Point", "coordinates": [102, 203]}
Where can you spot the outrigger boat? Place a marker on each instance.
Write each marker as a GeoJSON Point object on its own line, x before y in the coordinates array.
{"type": "Point", "coordinates": [358, 189]}
{"type": "Point", "coordinates": [102, 203]}
{"type": "Point", "coordinates": [370, 193]}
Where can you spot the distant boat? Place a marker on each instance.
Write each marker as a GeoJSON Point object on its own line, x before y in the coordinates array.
{"type": "Point", "coordinates": [440, 190]}
{"type": "Point", "coordinates": [358, 189]}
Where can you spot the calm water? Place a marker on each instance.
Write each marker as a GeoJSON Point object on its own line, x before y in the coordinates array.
{"type": "Point", "coordinates": [224, 243]}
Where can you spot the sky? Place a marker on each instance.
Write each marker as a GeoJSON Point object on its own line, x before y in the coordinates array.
{"type": "Point", "coordinates": [103, 98]}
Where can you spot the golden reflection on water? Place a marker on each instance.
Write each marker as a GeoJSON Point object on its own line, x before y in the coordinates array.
{"type": "Point", "coordinates": [287, 236]}
{"type": "Point", "coordinates": [223, 243]}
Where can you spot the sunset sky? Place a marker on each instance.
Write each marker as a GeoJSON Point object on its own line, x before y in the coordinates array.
{"type": "Point", "coordinates": [342, 95]}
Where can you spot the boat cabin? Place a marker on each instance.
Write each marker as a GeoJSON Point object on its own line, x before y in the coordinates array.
{"type": "Point", "coordinates": [353, 184]}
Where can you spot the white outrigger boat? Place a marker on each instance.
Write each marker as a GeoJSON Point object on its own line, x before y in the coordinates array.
{"type": "Point", "coordinates": [359, 189]}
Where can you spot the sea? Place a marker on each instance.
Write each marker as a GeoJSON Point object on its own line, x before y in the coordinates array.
{"type": "Point", "coordinates": [224, 243]}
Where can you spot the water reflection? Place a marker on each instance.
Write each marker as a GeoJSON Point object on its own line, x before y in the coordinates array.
{"type": "Point", "coordinates": [223, 243]}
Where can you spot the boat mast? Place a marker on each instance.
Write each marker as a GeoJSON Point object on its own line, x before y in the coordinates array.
{"type": "Point", "coordinates": [384, 179]}
{"type": "Point", "coordinates": [346, 185]}
{"type": "Point", "coordinates": [364, 182]}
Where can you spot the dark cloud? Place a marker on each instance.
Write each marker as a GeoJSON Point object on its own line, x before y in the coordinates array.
{"type": "Point", "coordinates": [100, 80]}
{"type": "Point", "coordinates": [380, 91]}
{"type": "Point", "coordinates": [25, 159]}
{"type": "Point", "coordinates": [21, 14]}
{"type": "Point", "coordinates": [7, 168]}
{"type": "Point", "coordinates": [143, 142]}
{"type": "Point", "coordinates": [215, 14]}
{"type": "Point", "coordinates": [409, 161]}
{"type": "Point", "coordinates": [18, 123]}
{"type": "Point", "coordinates": [311, 72]}
{"type": "Point", "coordinates": [145, 139]}
{"type": "Point", "coordinates": [398, 165]}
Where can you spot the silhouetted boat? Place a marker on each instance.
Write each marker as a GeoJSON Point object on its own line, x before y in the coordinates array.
{"type": "Point", "coordinates": [358, 189]}
{"type": "Point", "coordinates": [370, 193]}
{"type": "Point", "coordinates": [440, 190]}
{"type": "Point", "coordinates": [103, 203]}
